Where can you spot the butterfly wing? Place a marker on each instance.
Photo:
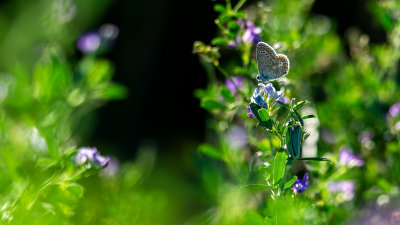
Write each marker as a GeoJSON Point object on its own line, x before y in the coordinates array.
{"type": "Point", "coordinates": [270, 65]}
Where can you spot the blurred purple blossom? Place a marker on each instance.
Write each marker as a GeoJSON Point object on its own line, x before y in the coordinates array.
{"type": "Point", "coordinates": [251, 34]}
{"type": "Point", "coordinates": [328, 136]}
{"type": "Point", "coordinates": [112, 167]}
{"type": "Point", "coordinates": [100, 39]}
{"type": "Point", "coordinates": [250, 114]}
{"type": "Point", "coordinates": [394, 110]}
{"type": "Point", "coordinates": [300, 185]}
{"type": "Point", "coordinates": [234, 84]}
{"type": "Point", "coordinates": [237, 137]}
{"type": "Point", "coordinates": [92, 156]}
{"type": "Point", "coordinates": [346, 188]}
{"type": "Point", "coordinates": [347, 157]}
{"type": "Point", "coordinates": [89, 42]}
{"type": "Point", "coordinates": [365, 137]}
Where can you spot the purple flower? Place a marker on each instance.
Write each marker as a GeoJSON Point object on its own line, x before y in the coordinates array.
{"type": "Point", "coordinates": [237, 137]}
{"type": "Point", "coordinates": [328, 136]}
{"type": "Point", "coordinates": [251, 33]}
{"type": "Point", "coordinates": [250, 114]}
{"type": "Point", "coordinates": [111, 168]}
{"type": "Point", "coordinates": [394, 110]}
{"type": "Point", "coordinates": [259, 99]}
{"type": "Point", "coordinates": [300, 186]}
{"type": "Point", "coordinates": [234, 84]}
{"type": "Point", "coordinates": [344, 187]}
{"type": "Point", "coordinates": [90, 156]}
{"type": "Point", "coordinates": [232, 44]}
{"type": "Point", "coordinates": [272, 93]}
{"type": "Point", "coordinates": [89, 42]}
{"type": "Point", "coordinates": [346, 157]}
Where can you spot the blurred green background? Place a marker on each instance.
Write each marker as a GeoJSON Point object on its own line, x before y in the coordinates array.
{"type": "Point", "coordinates": [344, 59]}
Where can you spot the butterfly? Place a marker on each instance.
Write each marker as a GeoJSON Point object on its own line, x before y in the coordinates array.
{"type": "Point", "coordinates": [271, 66]}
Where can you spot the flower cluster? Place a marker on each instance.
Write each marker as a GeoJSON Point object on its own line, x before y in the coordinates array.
{"type": "Point", "coordinates": [300, 185]}
{"type": "Point", "coordinates": [90, 156]}
{"type": "Point", "coordinates": [267, 95]}
{"type": "Point", "coordinates": [251, 34]}
{"type": "Point", "coordinates": [348, 158]}
{"type": "Point", "coordinates": [93, 41]}
{"type": "Point", "coordinates": [345, 188]}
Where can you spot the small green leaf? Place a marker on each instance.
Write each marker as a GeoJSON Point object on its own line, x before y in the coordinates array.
{"type": "Point", "coordinates": [210, 151]}
{"type": "Point", "coordinates": [283, 104]}
{"type": "Point", "coordinates": [255, 187]}
{"type": "Point", "coordinates": [279, 166]}
{"type": "Point", "coordinates": [227, 95]}
{"type": "Point", "coordinates": [314, 159]}
{"type": "Point", "coordinates": [293, 141]}
{"type": "Point", "coordinates": [290, 182]}
{"type": "Point", "coordinates": [298, 117]}
{"type": "Point", "coordinates": [212, 104]}
{"type": "Point", "coordinates": [219, 41]}
{"type": "Point", "coordinates": [219, 8]}
{"type": "Point", "coordinates": [301, 104]}
{"type": "Point", "coordinates": [254, 109]}
{"type": "Point", "coordinates": [263, 114]}
{"type": "Point", "coordinates": [308, 117]}
{"type": "Point", "coordinates": [75, 189]}
{"type": "Point", "coordinates": [306, 135]}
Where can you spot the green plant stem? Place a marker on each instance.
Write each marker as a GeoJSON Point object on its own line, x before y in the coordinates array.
{"type": "Point", "coordinates": [239, 5]}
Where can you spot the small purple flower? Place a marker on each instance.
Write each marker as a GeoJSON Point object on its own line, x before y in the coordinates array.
{"type": "Point", "coordinates": [394, 110]}
{"type": "Point", "coordinates": [259, 99]}
{"type": "Point", "coordinates": [251, 33]}
{"type": "Point", "coordinates": [328, 136]}
{"type": "Point", "coordinates": [234, 84]}
{"type": "Point", "coordinates": [300, 186]}
{"type": "Point", "coordinates": [365, 137]}
{"type": "Point", "coordinates": [272, 93]}
{"type": "Point", "coordinates": [232, 44]}
{"type": "Point", "coordinates": [112, 167]}
{"type": "Point", "coordinates": [89, 155]}
{"type": "Point", "coordinates": [89, 42]}
{"type": "Point", "coordinates": [346, 157]}
{"type": "Point", "coordinates": [346, 188]}
{"type": "Point", "coordinates": [250, 114]}
{"type": "Point", "coordinates": [237, 137]}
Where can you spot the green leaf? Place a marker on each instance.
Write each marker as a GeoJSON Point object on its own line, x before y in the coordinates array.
{"type": "Point", "coordinates": [298, 117]}
{"type": "Point", "coordinates": [263, 114]}
{"type": "Point", "coordinates": [255, 187]}
{"type": "Point", "coordinates": [279, 166]}
{"type": "Point", "coordinates": [308, 117]}
{"type": "Point", "coordinates": [210, 151]}
{"type": "Point", "coordinates": [75, 189]}
{"type": "Point", "coordinates": [314, 159]}
{"type": "Point", "coordinates": [219, 41]}
{"type": "Point", "coordinates": [219, 8]}
{"type": "Point", "coordinates": [283, 104]}
{"type": "Point", "coordinates": [290, 182]}
{"type": "Point", "coordinates": [253, 218]}
{"type": "Point", "coordinates": [301, 104]}
{"type": "Point", "coordinates": [306, 135]}
{"type": "Point", "coordinates": [212, 104]}
{"type": "Point", "coordinates": [293, 141]}
{"type": "Point", "coordinates": [227, 95]}
{"type": "Point", "coordinates": [115, 91]}
{"type": "Point", "coordinates": [254, 109]}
